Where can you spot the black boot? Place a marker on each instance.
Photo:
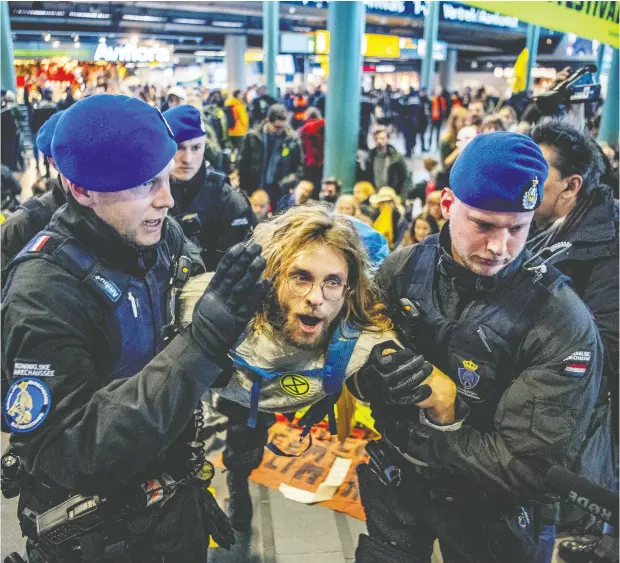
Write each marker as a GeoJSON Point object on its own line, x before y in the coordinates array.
{"type": "Point", "coordinates": [240, 504]}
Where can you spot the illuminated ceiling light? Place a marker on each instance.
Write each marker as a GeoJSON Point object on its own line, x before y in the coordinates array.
{"type": "Point", "coordinates": [38, 13]}
{"type": "Point", "coordinates": [76, 38]}
{"type": "Point", "coordinates": [489, 64]}
{"type": "Point", "coordinates": [89, 15]}
{"type": "Point", "coordinates": [56, 44]}
{"type": "Point", "coordinates": [134, 39]}
{"type": "Point", "coordinates": [209, 53]}
{"type": "Point", "coordinates": [135, 18]}
{"type": "Point", "coordinates": [227, 24]}
{"type": "Point", "coordinates": [102, 40]}
{"type": "Point", "coordinates": [77, 44]}
{"type": "Point", "coordinates": [548, 41]}
{"type": "Point", "coordinates": [47, 37]}
{"type": "Point", "coordinates": [292, 10]}
{"type": "Point", "coordinates": [474, 64]}
{"type": "Point", "coordinates": [189, 21]}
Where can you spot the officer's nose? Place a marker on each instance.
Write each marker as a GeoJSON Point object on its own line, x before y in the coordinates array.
{"type": "Point", "coordinates": [163, 197]}
{"type": "Point", "coordinates": [498, 242]}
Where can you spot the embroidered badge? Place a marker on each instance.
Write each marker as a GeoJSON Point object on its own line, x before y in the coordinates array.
{"type": "Point", "coordinates": [27, 404]}
{"type": "Point", "coordinates": [530, 197]}
{"type": "Point", "coordinates": [577, 363]}
{"type": "Point", "coordinates": [468, 376]}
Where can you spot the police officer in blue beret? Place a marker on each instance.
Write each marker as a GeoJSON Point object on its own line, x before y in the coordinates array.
{"type": "Point", "coordinates": [211, 213]}
{"type": "Point", "coordinates": [101, 386]}
{"type": "Point", "coordinates": [463, 453]}
{"type": "Point", "coordinates": [34, 214]}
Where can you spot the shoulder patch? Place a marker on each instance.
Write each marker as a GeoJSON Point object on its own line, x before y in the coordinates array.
{"type": "Point", "coordinates": [240, 221]}
{"type": "Point", "coordinates": [38, 243]}
{"type": "Point", "coordinates": [27, 404]}
{"type": "Point", "coordinates": [108, 287]}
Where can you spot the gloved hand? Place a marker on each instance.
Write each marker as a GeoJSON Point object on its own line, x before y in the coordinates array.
{"type": "Point", "coordinates": [216, 522]}
{"type": "Point", "coordinates": [229, 302]}
{"type": "Point", "coordinates": [393, 376]}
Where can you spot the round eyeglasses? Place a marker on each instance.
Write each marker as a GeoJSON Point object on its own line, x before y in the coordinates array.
{"type": "Point", "coordinates": [333, 290]}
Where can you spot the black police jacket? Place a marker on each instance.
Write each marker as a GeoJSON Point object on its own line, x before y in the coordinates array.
{"type": "Point", "coordinates": [103, 427]}
{"type": "Point", "coordinates": [524, 353]}
{"type": "Point", "coordinates": [212, 214]}
{"type": "Point", "coordinates": [29, 218]}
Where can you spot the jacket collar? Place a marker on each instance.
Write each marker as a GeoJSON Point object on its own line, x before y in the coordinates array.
{"type": "Point", "coordinates": [184, 192]}
{"type": "Point", "coordinates": [58, 193]}
{"type": "Point", "coordinates": [105, 242]}
{"type": "Point", "coordinates": [600, 223]}
{"type": "Point", "coordinates": [466, 281]}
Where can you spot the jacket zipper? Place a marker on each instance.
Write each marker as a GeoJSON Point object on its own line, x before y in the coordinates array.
{"type": "Point", "coordinates": [484, 339]}
{"type": "Point", "coordinates": [134, 305]}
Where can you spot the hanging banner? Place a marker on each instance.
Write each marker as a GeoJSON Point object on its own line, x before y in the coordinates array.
{"type": "Point", "coordinates": [592, 19]}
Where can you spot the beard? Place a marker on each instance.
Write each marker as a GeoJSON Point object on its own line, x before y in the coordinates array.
{"type": "Point", "coordinates": [286, 324]}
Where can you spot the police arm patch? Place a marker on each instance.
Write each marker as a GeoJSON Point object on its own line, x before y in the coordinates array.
{"type": "Point", "coordinates": [27, 404]}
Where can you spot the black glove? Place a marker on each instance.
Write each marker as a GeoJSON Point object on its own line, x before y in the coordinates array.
{"type": "Point", "coordinates": [229, 302]}
{"type": "Point", "coordinates": [393, 378]}
{"type": "Point", "coordinates": [216, 522]}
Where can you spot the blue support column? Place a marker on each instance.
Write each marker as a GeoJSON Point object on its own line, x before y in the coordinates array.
{"type": "Point", "coordinates": [271, 37]}
{"type": "Point", "coordinates": [346, 24]}
{"type": "Point", "coordinates": [609, 122]}
{"type": "Point", "coordinates": [600, 56]}
{"type": "Point", "coordinates": [431, 28]}
{"type": "Point", "coordinates": [8, 69]}
{"type": "Point", "coordinates": [531, 43]}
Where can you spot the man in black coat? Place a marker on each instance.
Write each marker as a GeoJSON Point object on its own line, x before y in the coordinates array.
{"type": "Point", "coordinates": [577, 209]}
{"type": "Point", "coordinates": [211, 213]}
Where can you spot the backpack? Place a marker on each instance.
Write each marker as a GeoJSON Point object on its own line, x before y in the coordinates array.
{"type": "Point", "coordinates": [231, 120]}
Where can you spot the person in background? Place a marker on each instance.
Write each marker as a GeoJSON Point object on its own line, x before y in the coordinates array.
{"type": "Point", "coordinates": [261, 104]}
{"type": "Point", "coordinates": [421, 227]}
{"type": "Point", "coordinates": [272, 158]}
{"type": "Point", "coordinates": [577, 208]}
{"type": "Point", "coordinates": [176, 96]}
{"type": "Point", "coordinates": [509, 117]}
{"type": "Point", "coordinates": [212, 214]}
{"type": "Point", "coordinates": [410, 111]}
{"type": "Point", "coordinates": [433, 208]}
{"type": "Point", "coordinates": [448, 151]}
{"type": "Point", "coordinates": [330, 190]}
{"type": "Point", "coordinates": [362, 192]}
{"type": "Point", "coordinates": [213, 150]}
{"type": "Point", "coordinates": [492, 123]}
{"type": "Point", "coordinates": [238, 120]}
{"type": "Point", "coordinates": [425, 117]}
{"type": "Point", "coordinates": [476, 114]}
{"type": "Point", "coordinates": [300, 105]}
{"type": "Point", "coordinates": [347, 205]}
{"type": "Point", "coordinates": [385, 166]}
{"type": "Point", "coordinates": [465, 136]}
{"type": "Point", "coordinates": [438, 115]}
{"type": "Point", "coordinates": [391, 221]}
{"type": "Point", "coordinates": [41, 112]}
{"type": "Point", "coordinates": [67, 101]}
{"type": "Point", "coordinates": [261, 205]}
{"type": "Point", "coordinates": [301, 193]}
{"type": "Point", "coordinates": [312, 135]}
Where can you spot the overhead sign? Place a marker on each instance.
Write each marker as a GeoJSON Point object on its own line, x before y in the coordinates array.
{"type": "Point", "coordinates": [132, 54]}
{"type": "Point", "coordinates": [450, 11]}
{"type": "Point", "coordinates": [598, 20]}
{"type": "Point", "coordinates": [373, 45]}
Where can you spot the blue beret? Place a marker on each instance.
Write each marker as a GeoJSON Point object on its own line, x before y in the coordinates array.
{"type": "Point", "coordinates": [500, 171]}
{"type": "Point", "coordinates": [185, 122]}
{"type": "Point", "coordinates": [108, 143]}
{"type": "Point", "coordinates": [46, 133]}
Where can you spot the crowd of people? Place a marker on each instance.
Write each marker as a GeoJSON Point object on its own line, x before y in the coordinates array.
{"type": "Point", "coordinates": [193, 236]}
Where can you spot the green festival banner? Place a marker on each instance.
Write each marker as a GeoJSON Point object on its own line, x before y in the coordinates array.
{"type": "Point", "coordinates": [592, 19]}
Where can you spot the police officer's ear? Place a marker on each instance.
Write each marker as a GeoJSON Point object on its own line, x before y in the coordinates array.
{"type": "Point", "coordinates": [447, 199]}
{"type": "Point", "coordinates": [83, 196]}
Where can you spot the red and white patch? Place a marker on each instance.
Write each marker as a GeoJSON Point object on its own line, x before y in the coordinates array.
{"type": "Point", "coordinates": [574, 368]}
{"type": "Point", "coordinates": [38, 244]}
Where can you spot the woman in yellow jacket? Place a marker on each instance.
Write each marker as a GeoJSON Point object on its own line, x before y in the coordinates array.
{"type": "Point", "coordinates": [239, 129]}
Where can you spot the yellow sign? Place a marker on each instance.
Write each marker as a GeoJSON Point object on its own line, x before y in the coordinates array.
{"type": "Point", "coordinates": [296, 385]}
{"type": "Point", "coordinates": [373, 45]}
{"type": "Point", "coordinates": [598, 20]}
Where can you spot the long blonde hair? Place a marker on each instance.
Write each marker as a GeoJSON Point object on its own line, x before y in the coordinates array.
{"type": "Point", "coordinates": [317, 225]}
{"type": "Point", "coordinates": [451, 132]}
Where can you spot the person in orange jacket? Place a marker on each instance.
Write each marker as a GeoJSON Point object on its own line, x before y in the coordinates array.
{"type": "Point", "coordinates": [238, 119]}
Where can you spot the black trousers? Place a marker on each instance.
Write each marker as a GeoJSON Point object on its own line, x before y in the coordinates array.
{"type": "Point", "coordinates": [409, 517]}
{"type": "Point", "coordinates": [245, 446]}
